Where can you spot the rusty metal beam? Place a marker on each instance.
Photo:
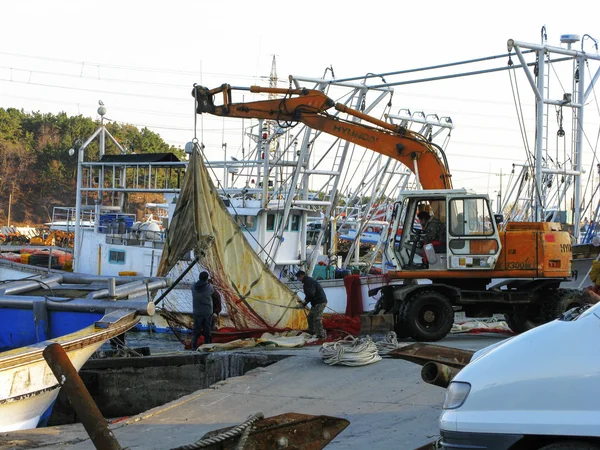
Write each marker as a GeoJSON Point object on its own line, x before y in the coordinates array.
{"type": "Point", "coordinates": [81, 400]}
{"type": "Point", "coordinates": [421, 354]}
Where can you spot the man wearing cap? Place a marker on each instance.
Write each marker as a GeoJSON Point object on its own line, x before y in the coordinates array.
{"type": "Point", "coordinates": [203, 309]}
{"type": "Point", "coordinates": [315, 295]}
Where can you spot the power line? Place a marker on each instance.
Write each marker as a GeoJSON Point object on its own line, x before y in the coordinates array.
{"type": "Point", "coordinates": [178, 99]}
{"type": "Point", "coordinates": [126, 67]}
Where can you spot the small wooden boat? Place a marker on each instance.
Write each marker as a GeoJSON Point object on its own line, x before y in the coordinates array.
{"type": "Point", "coordinates": [78, 316]}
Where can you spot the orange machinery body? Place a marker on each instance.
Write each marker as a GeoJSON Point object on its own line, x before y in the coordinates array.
{"type": "Point", "coordinates": [529, 250]}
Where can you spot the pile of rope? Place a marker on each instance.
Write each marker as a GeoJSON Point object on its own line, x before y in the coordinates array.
{"type": "Point", "coordinates": [350, 351]}
{"type": "Point", "coordinates": [242, 430]}
{"type": "Point", "coordinates": [390, 343]}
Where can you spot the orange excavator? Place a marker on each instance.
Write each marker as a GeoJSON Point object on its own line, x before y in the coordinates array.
{"type": "Point", "coordinates": [458, 248]}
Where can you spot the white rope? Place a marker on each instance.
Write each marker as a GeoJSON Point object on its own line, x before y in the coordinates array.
{"type": "Point", "coordinates": [350, 351]}
{"type": "Point", "coordinates": [390, 343]}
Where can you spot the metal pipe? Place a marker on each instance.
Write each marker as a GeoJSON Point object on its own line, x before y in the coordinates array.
{"type": "Point", "coordinates": [94, 423]}
{"type": "Point", "coordinates": [112, 288]}
{"type": "Point", "coordinates": [438, 374]}
{"type": "Point", "coordinates": [80, 278]}
{"type": "Point", "coordinates": [20, 286]}
{"type": "Point", "coordinates": [579, 146]}
{"type": "Point", "coordinates": [550, 49]}
{"type": "Point", "coordinates": [539, 139]}
{"type": "Point", "coordinates": [129, 289]}
{"type": "Point", "coordinates": [120, 292]}
{"type": "Point", "coordinates": [142, 307]}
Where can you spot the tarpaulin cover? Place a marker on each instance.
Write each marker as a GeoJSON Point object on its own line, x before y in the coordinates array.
{"type": "Point", "coordinates": [290, 339]}
{"type": "Point", "coordinates": [253, 296]}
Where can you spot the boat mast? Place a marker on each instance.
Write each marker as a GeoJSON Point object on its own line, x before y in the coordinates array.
{"type": "Point", "coordinates": [539, 89]}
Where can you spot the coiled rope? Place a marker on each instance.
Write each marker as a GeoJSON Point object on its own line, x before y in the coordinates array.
{"type": "Point", "coordinates": [390, 343]}
{"type": "Point", "coordinates": [350, 351]}
{"type": "Point", "coordinates": [242, 430]}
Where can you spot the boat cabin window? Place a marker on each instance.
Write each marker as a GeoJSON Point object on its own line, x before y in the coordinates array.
{"type": "Point", "coordinates": [246, 222]}
{"type": "Point", "coordinates": [250, 223]}
{"type": "Point", "coordinates": [295, 222]}
{"type": "Point", "coordinates": [116, 257]}
{"type": "Point", "coordinates": [470, 216]}
{"type": "Point", "coordinates": [270, 222]}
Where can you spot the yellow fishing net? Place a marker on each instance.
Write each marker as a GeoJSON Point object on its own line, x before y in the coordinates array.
{"type": "Point", "coordinates": [253, 296]}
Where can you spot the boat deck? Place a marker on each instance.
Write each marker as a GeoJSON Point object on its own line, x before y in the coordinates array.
{"type": "Point", "coordinates": [387, 404]}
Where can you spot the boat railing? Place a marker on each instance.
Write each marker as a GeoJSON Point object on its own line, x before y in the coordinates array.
{"type": "Point", "coordinates": [64, 218]}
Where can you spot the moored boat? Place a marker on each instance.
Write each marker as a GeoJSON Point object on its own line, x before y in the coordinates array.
{"type": "Point", "coordinates": [79, 313]}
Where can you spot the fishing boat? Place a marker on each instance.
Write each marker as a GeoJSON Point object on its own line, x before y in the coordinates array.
{"type": "Point", "coordinates": [79, 313]}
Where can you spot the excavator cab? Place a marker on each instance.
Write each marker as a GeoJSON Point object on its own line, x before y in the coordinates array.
{"type": "Point", "coordinates": [445, 230]}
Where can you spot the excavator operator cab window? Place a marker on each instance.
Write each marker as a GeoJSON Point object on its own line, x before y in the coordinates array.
{"type": "Point", "coordinates": [470, 216]}
{"type": "Point", "coordinates": [424, 234]}
{"type": "Point", "coordinates": [473, 241]}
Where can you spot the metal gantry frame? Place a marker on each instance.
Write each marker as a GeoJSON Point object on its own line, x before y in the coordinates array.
{"type": "Point", "coordinates": [577, 104]}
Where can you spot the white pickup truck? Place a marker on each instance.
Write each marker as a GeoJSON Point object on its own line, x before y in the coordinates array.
{"type": "Point", "coordinates": [538, 390]}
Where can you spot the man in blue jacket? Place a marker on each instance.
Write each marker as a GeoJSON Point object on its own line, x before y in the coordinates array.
{"type": "Point", "coordinates": [315, 295]}
{"type": "Point", "coordinates": [202, 292]}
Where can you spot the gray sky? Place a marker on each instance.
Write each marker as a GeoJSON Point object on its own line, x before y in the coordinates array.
{"type": "Point", "coordinates": [142, 57]}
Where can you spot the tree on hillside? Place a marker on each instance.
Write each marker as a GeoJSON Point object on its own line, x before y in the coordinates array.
{"type": "Point", "coordinates": [35, 164]}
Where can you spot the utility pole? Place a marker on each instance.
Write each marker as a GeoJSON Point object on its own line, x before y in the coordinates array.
{"type": "Point", "coordinates": [10, 202]}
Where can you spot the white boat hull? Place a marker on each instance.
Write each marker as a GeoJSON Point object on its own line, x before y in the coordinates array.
{"type": "Point", "coordinates": [27, 391]}
{"type": "Point", "coordinates": [27, 385]}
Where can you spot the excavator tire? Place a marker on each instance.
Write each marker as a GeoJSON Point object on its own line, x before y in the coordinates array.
{"type": "Point", "coordinates": [428, 316]}
{"type": "Point", "coordinates": [547, 305]}
{"type": "Point", "coordinates": [570, 298]}
{"type": "Point", "coordinates": [400, 326]}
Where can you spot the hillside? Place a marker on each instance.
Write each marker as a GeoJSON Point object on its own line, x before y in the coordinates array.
{"type": "Point", "coordinates": [36, 171]}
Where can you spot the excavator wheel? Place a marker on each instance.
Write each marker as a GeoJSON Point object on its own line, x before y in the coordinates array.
{"type": "Point", "coordinates": [547, 305]}
{"type": "Point", "coordinates": [400, 327]}
{"type": "Point", "coordinates": [428, 316]}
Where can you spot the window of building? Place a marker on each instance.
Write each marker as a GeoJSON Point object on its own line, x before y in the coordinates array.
{"type": "Point", "coordinates": [116, 257]}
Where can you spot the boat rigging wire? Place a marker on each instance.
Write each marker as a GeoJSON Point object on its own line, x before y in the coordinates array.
{"type": "Point", "coordinates": [520, 117]}
{"type": "Point", "coordinates": [422, 69]}
{"type": "Point", "coordinates": [460, 75]}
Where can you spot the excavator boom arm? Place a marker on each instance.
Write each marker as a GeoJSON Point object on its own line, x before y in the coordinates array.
{"type": "Point", "coordinates": [310, 107]}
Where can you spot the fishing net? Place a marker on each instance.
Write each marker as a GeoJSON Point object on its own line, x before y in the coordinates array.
{"type": "Point", "coordinates": [252, 297]}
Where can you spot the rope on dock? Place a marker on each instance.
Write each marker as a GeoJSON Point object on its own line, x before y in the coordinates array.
{"type": "Point", "coordinates": [390, 343]}
{"type": "Point", "coordinates": [350, 351]}
{"type": "Point", "coordinates": [242, 430]}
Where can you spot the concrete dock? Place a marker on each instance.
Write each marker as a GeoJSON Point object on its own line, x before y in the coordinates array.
{"type": "Point", "coordinates": [387, 404]}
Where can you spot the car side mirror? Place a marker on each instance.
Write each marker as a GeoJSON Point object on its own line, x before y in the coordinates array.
{"type": "Point", "coordinates": [498, 218]}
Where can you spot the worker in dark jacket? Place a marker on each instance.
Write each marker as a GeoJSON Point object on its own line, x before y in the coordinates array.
{"type": "Point", "coordinates": [203, 309]}
{"type": "Point", "coordinates": [315, 295]}
{"type": "Point", "coordinates": [216, 302]}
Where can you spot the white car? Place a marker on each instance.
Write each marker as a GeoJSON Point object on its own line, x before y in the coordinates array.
{"type": "Point", "coordinates": [538, 390]}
